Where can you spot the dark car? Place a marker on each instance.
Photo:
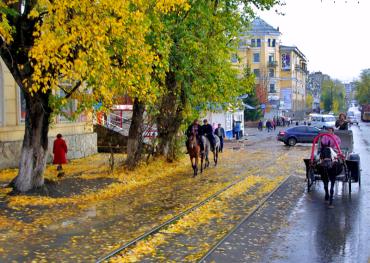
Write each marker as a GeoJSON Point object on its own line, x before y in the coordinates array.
{"type": "Point", "coordinates": [302, 134]}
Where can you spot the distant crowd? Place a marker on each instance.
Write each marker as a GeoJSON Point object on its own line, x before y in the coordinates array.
{"type": "Point", "coordinates": [271, 124]}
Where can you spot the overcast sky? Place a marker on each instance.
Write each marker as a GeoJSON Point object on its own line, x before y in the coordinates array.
{"type": "Point", "coordinates": [335, 37]}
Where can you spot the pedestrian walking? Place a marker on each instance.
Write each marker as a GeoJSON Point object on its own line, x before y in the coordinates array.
{"type": "Point", "coordinates": [268, 125]}
{"type": "Point", "coordinates": [220, 132]}
{"type": "Point", "coordinates": [60, 151]}
{"type": "Point", "coordinates": [274, 124]}
{"type": "Point", "coordinates": [260, 125]}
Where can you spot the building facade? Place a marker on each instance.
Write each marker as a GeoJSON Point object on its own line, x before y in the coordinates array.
{"type": "Point", "coordinates": [259, 52]}
{"type": "Point", "coordinates": [313, 87]}
{"type": "Point", "coordinates": [79, 134]}
{"type": "Point", "coordinates": [293, 77]}
{"type": "Point", "coordinates": [280, 71]}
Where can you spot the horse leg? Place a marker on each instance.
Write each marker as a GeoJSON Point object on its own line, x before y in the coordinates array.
{"type": "Point", "coordinates": [201, 162]}
{"type": "Point", "coordinates": [332, 183]}
{"type": "Point", "coordinates": [325, 180]}
{"type": "Point", "coordinates": [196, 165]}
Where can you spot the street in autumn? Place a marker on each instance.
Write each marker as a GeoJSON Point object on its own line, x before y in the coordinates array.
{"type": "Point", "coordinates": [90, 221]}
{"type": "Point", "coordinates": [184, 131]}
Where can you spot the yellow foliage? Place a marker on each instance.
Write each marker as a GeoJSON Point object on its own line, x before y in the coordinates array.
{"type": "Point", "coordinates": [215, 209]}
{"type": "Point", "coordinates": [127, 180]}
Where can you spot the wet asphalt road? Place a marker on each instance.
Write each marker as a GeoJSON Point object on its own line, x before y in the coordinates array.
{"type": "Point", "coordinates": [308, 231]}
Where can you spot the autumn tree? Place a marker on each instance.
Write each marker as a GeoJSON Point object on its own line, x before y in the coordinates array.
{"type": "Point", "coordinates": [363, 87]}
{"type": "Point", "coordinates": [309, 101]}
{"type": "Point", "coordinates": [200, 71]}
{"type": "Point", "coordinates": [332, 96]}
{"type": "Point", "coordinates": [100, 47]}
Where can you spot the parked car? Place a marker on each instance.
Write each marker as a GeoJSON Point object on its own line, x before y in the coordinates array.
{"type": "Point", "coordinates": [321, 121]}
{"type": "Point", "coordinates": [298, 134]}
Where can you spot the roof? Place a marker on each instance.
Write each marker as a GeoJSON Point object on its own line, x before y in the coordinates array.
{"type": "Point", "coordinates": [260, 27]}
{"type": "Point", "coordinates": [293, 48]}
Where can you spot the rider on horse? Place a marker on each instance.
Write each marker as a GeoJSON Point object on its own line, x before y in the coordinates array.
{"type": "Point", "coordinates": [195, 130]}
{"type": "Point", "coordinates": [207, 131]}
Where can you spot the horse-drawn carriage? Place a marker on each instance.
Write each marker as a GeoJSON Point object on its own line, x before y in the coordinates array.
{"type": "Point", "coordinates": [340, 164]}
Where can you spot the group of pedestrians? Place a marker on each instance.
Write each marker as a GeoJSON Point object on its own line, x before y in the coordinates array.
{"type": "Point", "coordinates": [197, 130]}
{"type": "Point", "coordinates": [271, 124]}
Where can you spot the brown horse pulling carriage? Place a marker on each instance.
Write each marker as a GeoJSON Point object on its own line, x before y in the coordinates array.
{"type": "Point", "coordinates": [340, 164]}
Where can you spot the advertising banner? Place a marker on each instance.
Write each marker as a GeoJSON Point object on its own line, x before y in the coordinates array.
{"type": "Point", "coordinates": [286, 95]}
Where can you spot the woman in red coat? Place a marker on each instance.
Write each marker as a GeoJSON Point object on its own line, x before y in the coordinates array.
{"type": "Point", "coordinates": [60, 151]}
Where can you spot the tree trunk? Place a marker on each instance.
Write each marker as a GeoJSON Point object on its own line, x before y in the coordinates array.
{"type": "Point", "coordinates": [170, 117]}
{"type": "Point", "coordinates": [135, 135]}
{"type": "Point", "coordinates": [35, 143]}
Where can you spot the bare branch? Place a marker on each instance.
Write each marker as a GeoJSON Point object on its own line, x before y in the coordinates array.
{"type": "Point", "coordinates": [75, 87]}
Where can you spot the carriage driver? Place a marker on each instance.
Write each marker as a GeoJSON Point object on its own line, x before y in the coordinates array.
{"type": "Point", "coordinates": [327, 141]}
{"type": "Point", "coordinates": [207, 131]}
{"type": "Point", "coordinates": [195, 130]}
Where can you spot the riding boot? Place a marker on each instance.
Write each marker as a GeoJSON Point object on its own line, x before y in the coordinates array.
{"type": "Point", "coordinates": [187, 146]}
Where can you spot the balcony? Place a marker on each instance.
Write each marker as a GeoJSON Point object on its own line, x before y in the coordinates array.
{"type": "Point", "coordinates": [272, 64]}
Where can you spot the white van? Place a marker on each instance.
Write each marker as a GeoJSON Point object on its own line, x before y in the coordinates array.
{"type": "Point", "coordinates": [322, 121]}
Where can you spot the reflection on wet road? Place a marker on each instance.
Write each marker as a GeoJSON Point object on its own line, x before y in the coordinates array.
{"type": "Point", "coordinates": [318, 234]}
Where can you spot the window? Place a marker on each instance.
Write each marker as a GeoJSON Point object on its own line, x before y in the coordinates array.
{"type": "Point", "coordinates": [256, 57]}
{"type": "Point", "coordinates": [242, 43]}
{"type": "Point", "coordinates": [269, 42]}
{"type": "Point", "coordinates": [22, 106]}
{"type": "Point", "coordinates": [256, 72]}
{"type": "Point", "coordinates": [271, 58]}
{"type": "Point", "coordinates": [258, 42]}
{"type": "Point", "coordinates": [312, 130]}
{"type": "Point", "coordinates": [271, 73]}
{"type": "Point", "coordinates": [273, 42]}
{"type": "Point", "coordinates": [234, 58]}
{"type": "Point", "coordinates": [253, 42]}
{"type": "Point", "coordinates": [272, 88]}
{"type": "Point", "coordinates": [70, 108]}
{"type": "Point", "coordinates": [300, 129]}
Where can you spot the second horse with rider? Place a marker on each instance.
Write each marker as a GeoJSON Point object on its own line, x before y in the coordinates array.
{"type": "Point", "coordinates": [197, 130]}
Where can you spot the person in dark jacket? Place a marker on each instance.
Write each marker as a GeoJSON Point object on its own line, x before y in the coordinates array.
{"type": "Point", "coordinates": [60, 150]}
{"type": "Point", "coordinates": [208, 132]}
{"type": "Point", "coordinates": [268, 125]}
{"type": "Point", "coordinates": [260, 125]}
{"type": "Point", "coordinates": [196, 130]}
{"type": "Point", "coordinates": [342, 123]}
{"type": "Point", "coordinates": [220, 132]}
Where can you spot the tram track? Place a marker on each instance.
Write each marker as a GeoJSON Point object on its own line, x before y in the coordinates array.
{"type": "Point", "coordinates": [242, 221]}
{"type": "Point", "coordinates": [158, 228]}
{"type": "Point", "coordinates": [174, 219]}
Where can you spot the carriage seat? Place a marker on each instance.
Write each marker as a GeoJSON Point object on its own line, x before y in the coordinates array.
{"type": "Point", "coordinates": [346, 138]}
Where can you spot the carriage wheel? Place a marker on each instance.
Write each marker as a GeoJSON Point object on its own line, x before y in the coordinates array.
{"type": "Point", "coordinates": [310, 178]}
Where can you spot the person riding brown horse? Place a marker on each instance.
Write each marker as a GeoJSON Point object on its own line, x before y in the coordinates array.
{"type": "Point", "coordinates": [194, 145]}
{"type": "Point", "coordinates": [194, 130]}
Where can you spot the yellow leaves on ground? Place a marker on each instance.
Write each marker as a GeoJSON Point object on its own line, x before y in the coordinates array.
{"type": "Point", "coordinates": [215, 209]}
{"type": "Point", "coordinates": [127, 180]}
